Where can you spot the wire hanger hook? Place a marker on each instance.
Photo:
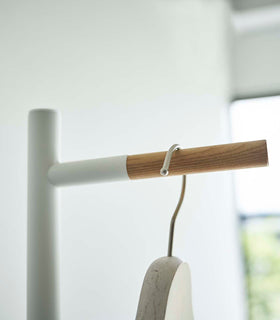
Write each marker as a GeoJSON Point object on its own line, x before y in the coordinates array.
{"type": "Point", "coordinates": [164, 171]}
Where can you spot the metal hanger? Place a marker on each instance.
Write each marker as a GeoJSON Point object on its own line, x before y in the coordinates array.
{"type": "Point", "coordinates": [166, 289]}
{"type": "Point", "coordinates": [164, 171]}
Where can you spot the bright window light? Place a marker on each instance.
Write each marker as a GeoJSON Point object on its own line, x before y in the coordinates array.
{"type": "Point", "coordinates": [258, 189]}
{"type": "Point", "coordinates": [258, 204]}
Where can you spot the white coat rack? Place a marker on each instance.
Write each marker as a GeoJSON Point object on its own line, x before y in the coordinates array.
{"type": "Point", "coordinates": [45, 174]}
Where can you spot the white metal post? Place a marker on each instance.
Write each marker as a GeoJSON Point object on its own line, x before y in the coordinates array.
{"type": "Point", "coordinates": [42, 273]}
{"type": "Point", "coordinates": [89, 171]}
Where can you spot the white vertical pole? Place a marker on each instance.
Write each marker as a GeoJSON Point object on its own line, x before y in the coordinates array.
{"type": "Point", "coordinates": [42, 289]}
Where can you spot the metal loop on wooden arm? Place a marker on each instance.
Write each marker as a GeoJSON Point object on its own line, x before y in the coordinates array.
{"type": "Point", "coordinates": [164, 172]}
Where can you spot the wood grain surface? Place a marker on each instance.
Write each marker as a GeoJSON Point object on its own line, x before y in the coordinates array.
{"type": "Point", "coordinates": [204, 159]}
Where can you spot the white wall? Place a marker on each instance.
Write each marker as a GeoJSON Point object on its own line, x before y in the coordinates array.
{"type": "Point", "coordinates": [251, 4]}
{"type": "Point", "coordinates": [127, 77]}
{"type": "Point", "coordinates": [256, 62]}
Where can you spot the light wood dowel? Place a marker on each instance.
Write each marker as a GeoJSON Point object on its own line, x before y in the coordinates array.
{"type": "Point", "coordinates": [204, 159]}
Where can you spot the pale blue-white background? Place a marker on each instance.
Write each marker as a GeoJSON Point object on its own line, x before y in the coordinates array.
{"type": "Point", "coordinates": [127, 77]}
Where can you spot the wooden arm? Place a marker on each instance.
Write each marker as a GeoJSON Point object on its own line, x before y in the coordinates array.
{"type": "Point", "coordinates": [204, 159]}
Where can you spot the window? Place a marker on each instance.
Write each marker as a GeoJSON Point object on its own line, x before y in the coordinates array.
{"type": "Point", "coordinates": [258, 205]}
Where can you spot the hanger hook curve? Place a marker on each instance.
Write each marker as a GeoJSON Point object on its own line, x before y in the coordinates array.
{"type": "Point", "coordinates": [164, 172]}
